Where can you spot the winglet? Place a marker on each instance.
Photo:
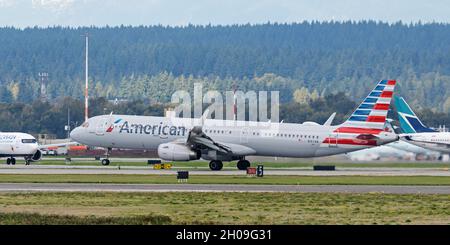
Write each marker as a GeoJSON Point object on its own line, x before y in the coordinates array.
{"type": "Point", "coordinates": [330, 120]}
{"type": "Point", "coordinates": [204, 116]}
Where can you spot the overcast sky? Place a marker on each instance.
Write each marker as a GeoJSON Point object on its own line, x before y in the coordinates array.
{"type": "Point", "coordinates": [23, 13]}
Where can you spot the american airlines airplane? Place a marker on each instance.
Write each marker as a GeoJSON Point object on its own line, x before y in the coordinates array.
{"type": "Point", "coordinates": [415, 132]}
{"type": "Point", "coordinates": [19, 145]}
{"type": "Point", "coordinates": [185, 139]}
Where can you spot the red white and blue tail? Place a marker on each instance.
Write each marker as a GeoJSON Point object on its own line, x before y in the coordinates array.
{"type": "Point", "coordinates": [372, 112]}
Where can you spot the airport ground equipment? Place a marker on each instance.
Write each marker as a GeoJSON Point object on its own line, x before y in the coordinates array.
{"type": "Point", "coordinates": [153, 161]}
{"type": "Point", "coordinates": [251, 172]}
{"type": "Point", "coordinates": [260, 171]}
{"type": "Point", "coordinates": [158, 166]}
{"type": "Point", "coordinates": [324, 168]}
{"type": "Point", "coordinates": [182, 176]}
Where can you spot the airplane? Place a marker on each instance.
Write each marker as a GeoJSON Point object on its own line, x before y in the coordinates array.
{"type": "Point", "coordinates": [186, 139]}
{"type": "Point", "coordinates": [19, 145]}
{"type": "Point", "coordinates": [416, 133]}
{"type": "Point", "coordinates": [16, 144]}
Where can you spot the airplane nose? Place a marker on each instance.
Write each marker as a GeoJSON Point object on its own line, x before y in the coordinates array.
{"type": "Point", "coordinates": [75, 133]}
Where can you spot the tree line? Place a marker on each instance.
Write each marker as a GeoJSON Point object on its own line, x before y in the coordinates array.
{"type": "Point", "coordinates": [327, 57]}
{"type": "Point", "coordinates": [50, 118]}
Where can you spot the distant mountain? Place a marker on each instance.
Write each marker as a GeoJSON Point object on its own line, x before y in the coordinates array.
{"type": "Point", "coordinates": [326, 57]}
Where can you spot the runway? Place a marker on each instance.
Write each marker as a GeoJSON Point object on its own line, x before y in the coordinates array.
{"type": "Point", "coordinates": [32, 187]}
{"type": "Point", "coordinates": [71, 169]}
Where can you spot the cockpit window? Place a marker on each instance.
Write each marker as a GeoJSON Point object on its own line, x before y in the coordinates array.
{"type": "Point", "coordinates": [85, 125]}
{"type": "Point", "coordinates": [29, 141]}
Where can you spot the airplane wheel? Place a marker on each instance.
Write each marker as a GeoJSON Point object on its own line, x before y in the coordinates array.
{"type": "Point", "coordinates": [8, 161]}
{"type": "Point", "coordinates": [243, 164]}
{"type": "Point", "coordinates": [215, 165]}
{"type": "Point", "coordinates": [105, 162]}
{"type": "Point", "coordinates": [13, 161]}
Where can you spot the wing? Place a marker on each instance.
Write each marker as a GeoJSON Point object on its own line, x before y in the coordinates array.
{"type": "Point", "coordinates": [57, 145]}
{"type": "Point", "coordinates": [197, 139]}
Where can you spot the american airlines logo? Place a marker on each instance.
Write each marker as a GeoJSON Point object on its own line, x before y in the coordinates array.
{"type": "Point", "coordinates": [111, 128]}
{"type": "Point", "coordinates": [159, 129]}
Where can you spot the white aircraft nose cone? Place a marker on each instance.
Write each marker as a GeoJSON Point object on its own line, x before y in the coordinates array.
{"type": "Point", "coordinates": [76, 133]}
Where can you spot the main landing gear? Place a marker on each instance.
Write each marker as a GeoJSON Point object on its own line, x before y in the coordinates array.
{"type": "Point", "coordinates": [243, 164]}
{"type": "Point", "coordinates": [215, 165]}
{"type": "Point", "coordinates": [105, 161]}
{"type": "Point", "coordinates": [11, 161]}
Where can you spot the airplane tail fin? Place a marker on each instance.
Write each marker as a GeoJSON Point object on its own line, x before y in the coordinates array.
{"type": "Point", "coordinates": [372, 112]}
{"type": "Point", "coordinates": [409, 122]}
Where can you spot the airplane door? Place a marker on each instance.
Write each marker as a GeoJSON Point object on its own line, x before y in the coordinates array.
{"type": "Point", "coordinates": [333, 140]}
{"type": "Point", "coordinates": [244, 135]}
{"type": "Point", "coordinates": [102, 126]}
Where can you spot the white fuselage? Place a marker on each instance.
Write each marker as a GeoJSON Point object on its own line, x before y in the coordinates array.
{"type": "Point", "coordinates": [264, 139]}
{"type": "Point", "coordinates": [436, 141]}
{"type": "Point", "coordinates": [17, 144]}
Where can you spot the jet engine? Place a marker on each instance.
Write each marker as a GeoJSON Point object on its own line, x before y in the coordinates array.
{"type": "Point", "coordinates": [177, 152]}
{"type": "Point", "coordinates": [37, 156]}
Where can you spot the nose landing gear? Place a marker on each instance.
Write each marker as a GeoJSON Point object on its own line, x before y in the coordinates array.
{"type": "Point", "coordinates": [11, 161]}
{"type": "Point", "coordinates": [105, 161]}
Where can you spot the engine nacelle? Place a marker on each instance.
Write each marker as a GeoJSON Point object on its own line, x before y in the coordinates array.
{"type": "Point", "coordinates": [177, 152]}
{"type": "Point", "coordinates": [37, 156]}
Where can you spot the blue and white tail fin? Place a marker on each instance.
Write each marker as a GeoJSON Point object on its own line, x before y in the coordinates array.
{"type": "Point", "coordinates": [409, 122]}
{"type": "Point", "coordinates": [372, 112]}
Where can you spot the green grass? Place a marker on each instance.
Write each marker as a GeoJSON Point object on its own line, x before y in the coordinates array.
{"type": "Point", "coordinates": [53, 219]}
{"type": "Point", "coordinates": [223, 208]}
{"type": "Point", "coordinates": [222, 179]}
